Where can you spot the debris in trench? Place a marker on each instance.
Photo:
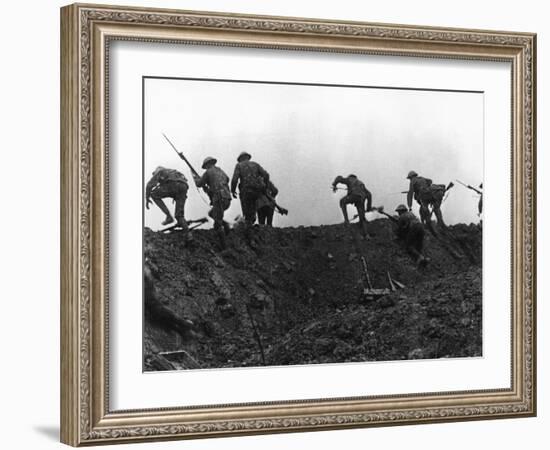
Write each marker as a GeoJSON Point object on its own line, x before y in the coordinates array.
{"type": "Point", "coordinates": [305, 303]}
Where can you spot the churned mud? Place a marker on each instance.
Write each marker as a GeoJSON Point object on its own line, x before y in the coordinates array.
{"type": "Point", "coordinates": [295, 296]}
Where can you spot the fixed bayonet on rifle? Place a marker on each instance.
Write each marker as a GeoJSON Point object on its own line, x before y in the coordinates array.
{"type": "Point", "coordinates": [470, 187]}
{"type": "Point", "coordinates": [182, 156]}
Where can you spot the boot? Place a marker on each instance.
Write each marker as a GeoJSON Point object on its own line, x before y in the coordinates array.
{"type": "Point", "coordinates": [182, 223]}
{"type": "Point", "coordinates": [439, 217]}
{"type": "Point", "coordinates": [345, 214]}
{"type": "Point", "coordinates": [168, 220]}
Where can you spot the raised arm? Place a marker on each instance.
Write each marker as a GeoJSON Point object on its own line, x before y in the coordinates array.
{"type": "Point", "coordinates": [202, 181]}
{"type": "Point", "coordinates": [235, 180]}
{"type": "Point", "coordinates": [337, 180]}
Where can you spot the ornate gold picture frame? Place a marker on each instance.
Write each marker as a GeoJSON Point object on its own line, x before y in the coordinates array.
{"type": "Point", "coordinates": [87, 31]}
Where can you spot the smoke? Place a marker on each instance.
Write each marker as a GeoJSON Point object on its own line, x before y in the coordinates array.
{"type": "Point", "coordinates": [306, 135]}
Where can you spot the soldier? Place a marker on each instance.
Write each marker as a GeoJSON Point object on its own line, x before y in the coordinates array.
{"type": "Point", "coordinates": [426, 194]}
{"type": "Point", "coordinates": [172, 184]}
{"type": "Point", "coordinates": [253, 180]}
{"type": "Point", "coordinates": [480, 203]}
{"type": "Point", "coordinates": [411, 231]}
{"type": "Point", "coordinates": [357, 194]}
{"type": "Point", "coordinates": [216, 183]}
{"type": "Point", "coordinates": [265, 205]}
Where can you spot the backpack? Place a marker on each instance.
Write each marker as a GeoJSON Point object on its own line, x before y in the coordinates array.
{"type": "Point", "coordinates": [251, 180]}
{"type": "Point", "coordinates": [438, 191]}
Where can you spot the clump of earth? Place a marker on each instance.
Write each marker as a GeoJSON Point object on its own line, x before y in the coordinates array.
{"type": "Point", "coordinates": [285, 296]}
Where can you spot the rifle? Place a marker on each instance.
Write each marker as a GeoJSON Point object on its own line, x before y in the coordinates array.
{"type": "Point", "coordinates": [470, 187]}
{"type": "Point", "coordinates": [194, 224]}
{"type": "Point", "coordinates": [193, 171]}
{"type": "Point", "coordinates": [282, 211]}
{"type": "Point", "coordinates": [182, 156]}
{"type": "Point", "coordinates": [380, 210]}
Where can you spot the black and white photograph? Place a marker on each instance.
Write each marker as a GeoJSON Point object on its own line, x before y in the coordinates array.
{"type": "Point", "coordinates": [296, 224]}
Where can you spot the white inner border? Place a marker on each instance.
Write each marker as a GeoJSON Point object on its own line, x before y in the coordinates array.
{"type": "Point", "coordinates": [132, 389]}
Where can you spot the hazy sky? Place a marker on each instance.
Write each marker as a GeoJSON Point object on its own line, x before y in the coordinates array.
{"type": "Point", "coordinates": [306, 135]}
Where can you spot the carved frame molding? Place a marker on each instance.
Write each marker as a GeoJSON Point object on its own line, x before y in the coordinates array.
{"type": "Point", "coordinates": [86, 31]}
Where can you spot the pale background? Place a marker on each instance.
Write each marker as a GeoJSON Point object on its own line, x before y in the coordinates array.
{"type": "Point", "coordinates": [30, 238]}
{"type": "Point", "coordinates": [306, 135]}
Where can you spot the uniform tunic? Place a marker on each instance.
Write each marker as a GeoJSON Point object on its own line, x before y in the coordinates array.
{"type": "Point", "coordinates": [168, 183]}
{"type": "Point", "coordinates": [216, 181]}
{"type": "Point", "coordinates": [252, 180]}
{"type": "Point", "coordinates": [426, 194]}
{"type": "Point", "coordinates": [411, 231]}
{"type": "Point", "coordinates": [265, 206]}
{"type": "Point", "coordinates": [357, 192]}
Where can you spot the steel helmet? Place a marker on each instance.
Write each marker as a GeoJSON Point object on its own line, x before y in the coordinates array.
{"type": "Point", "coordinates": [207, 160]}
{"type": "Point", "coordinates": [411, 174]}
{"type": "Point", "coordinates": [158, 169]}
{"type": "Point", "coordinates": [242, 155]}
{"type": "Point", "coordinates": [401, 208]}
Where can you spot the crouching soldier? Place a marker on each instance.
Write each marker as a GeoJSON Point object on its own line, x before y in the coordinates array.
{"type": "Point", "coordinates": [168, 183]}
{"type": "Point", "coordinates": [411, 232]}
{"type": "Point", "coordinates": [357, 194]}
{"type": "Point", "coordinates": [216, 183]}
{"type": "Point", "coordinates": [266, 206]}
{"type": "Point", "coordinates": [426, 194]}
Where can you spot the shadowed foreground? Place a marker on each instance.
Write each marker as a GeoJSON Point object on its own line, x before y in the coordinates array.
{"type": "Point", "coordinates": [295, 296]}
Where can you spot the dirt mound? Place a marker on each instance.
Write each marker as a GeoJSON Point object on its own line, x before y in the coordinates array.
{"type": "Point", "coordinates": [294, 296]}
{"type": "Point", "coordinates": [432, 320]}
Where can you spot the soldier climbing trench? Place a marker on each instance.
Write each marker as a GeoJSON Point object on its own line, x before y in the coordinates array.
{"type": "Point", "coordinates": [215, 181]}
{"type": "Point", "coordinates": [427, 195]}
{"type": "Point", "coordinates": [357, 194]}
{"type": "Point", "coordinates": [168, 183]}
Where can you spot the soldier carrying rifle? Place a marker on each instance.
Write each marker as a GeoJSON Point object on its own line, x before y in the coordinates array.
{"type": "Point", "coordinates": [357, 194]}
{"type": "Point", "coordinates": [426, 194]}
{"type": "Point", "coordinates": [215, 183]}
{"type": "Point", "coordinates": [477, 191]}
{"type": "Point", "coordinates": [410, 231]}
{"type": "Point", "coordinates": [253, 181]}
{"type": "Point", "coordinates": [266, 205]}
